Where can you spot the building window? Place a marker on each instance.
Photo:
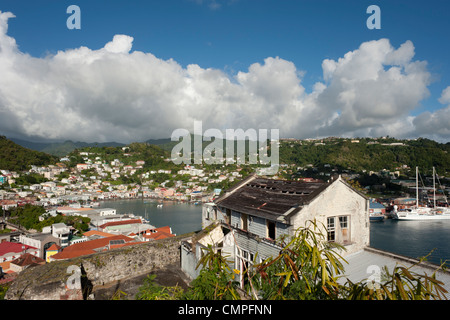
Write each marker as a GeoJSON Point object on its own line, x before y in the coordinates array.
{"type": "Point", "coordinates": [244, 222]}
{"type": "Point", "coordinates": [243, 263]}
{"type": "Point", "coordinates": [271, 230]}
{"type": "Point", "coordinates": [338, 232]}
{"type": "Point", "coordinates": [344, 228]}
{"type": "Point", "coordinates": [228, 217]}
{"type": "Point", "coordinates": [331, 229]}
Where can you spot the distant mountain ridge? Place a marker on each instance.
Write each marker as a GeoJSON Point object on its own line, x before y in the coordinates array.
{"type": "Point", "coordinates": [61, 149]}
{"type": "Point", "coordinates": [355, 154]}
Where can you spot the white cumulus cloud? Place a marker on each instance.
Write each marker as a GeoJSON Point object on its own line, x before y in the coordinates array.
{"type": "Point", "coordinates": [117, 94]}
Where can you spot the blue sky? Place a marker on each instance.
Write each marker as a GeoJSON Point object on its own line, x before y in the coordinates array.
{"type": "Point", "coordinates": [230, 36]}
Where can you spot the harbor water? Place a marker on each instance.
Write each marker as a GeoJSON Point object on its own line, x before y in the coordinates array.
{"type": "Point", "coordinates": [413, 239]}
{"type": "Point", "coordinates": [181, 217]}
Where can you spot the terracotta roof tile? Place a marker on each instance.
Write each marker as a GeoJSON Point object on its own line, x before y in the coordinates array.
{"type": "Point", "coordinates": [54, 247]}
{"type": "Point", "coordinates": [118, 223]}
{"type": "Point", "coordinates": [159, 233]}
{"type": "Point", "coordinates": [27, 260]}
{"type": "Point", "coordinates": [98, 233]}
{"type": "Point", "coordinates": [88, 247]}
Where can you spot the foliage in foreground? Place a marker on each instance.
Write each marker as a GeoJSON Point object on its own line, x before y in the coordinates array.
{"type": "Point", "coordinates": [3, 289]}
{"type": "Point", "coordinates": [308, 268]}
{"type": "Point", "coordinates": [151, 291]}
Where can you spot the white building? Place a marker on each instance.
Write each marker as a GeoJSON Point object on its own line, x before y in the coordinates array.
{"type": "Point", "coordinates": [62, 232]}
{"type": "Point", "coordinates": [107, 212]}
{"type": "Point", "coordinates": [255, 213]}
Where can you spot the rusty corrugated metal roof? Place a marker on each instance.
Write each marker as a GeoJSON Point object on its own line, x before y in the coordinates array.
{"type": "Point", "coordinates": [270, 198]}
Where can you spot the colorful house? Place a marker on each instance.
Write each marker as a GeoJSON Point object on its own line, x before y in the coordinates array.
{"type": "Point", "coordinates": [54, 249]}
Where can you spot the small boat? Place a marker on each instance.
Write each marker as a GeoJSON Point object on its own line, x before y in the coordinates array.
{"type": "Point", "coordinates": [159, 205]}
{"type": "Point", "coordinates": [376, 217]}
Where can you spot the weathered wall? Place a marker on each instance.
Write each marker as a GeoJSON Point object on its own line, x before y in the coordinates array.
{"type": "Point", "coordinates": [49, 281]}
{"type": "Point", "coordinates": [339, 200]}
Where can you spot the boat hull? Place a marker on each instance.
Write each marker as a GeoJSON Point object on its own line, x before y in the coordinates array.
{"type": "Point", "coordinates": [376, 218]}
{"type": "Point", "coordinates": [424, 217]}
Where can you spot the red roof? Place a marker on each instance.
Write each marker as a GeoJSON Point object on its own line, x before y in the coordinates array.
{"type": "Point", "coordinates": [7, 247]}
{"type": "Point", "coordinates": [159, 233]}
{"type": "Point", "coordinates": [88, 247]}
{"type": "Point", "coordinates": [118, 223]}
{"type": "Point", "coordinates": [98, 233]}
{"type": "Point", "coordinates": [27, 260]}
{"type": "Point", "coordinates": [54, 247]}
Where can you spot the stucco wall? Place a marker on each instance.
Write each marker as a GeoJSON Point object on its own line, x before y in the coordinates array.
{"type": "Point", "coordinates": [339, 200]}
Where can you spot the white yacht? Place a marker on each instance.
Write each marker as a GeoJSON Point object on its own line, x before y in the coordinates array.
{"type": "Point", "coordinates": [418, 214]}
{"type": "Point", "coordinates": [422, 213]}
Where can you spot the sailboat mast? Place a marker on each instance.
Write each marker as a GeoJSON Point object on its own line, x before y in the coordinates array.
{"type": "Point", "coordinates": [434, 189]}
{"type": "Point", "coordinates": [417, 187]}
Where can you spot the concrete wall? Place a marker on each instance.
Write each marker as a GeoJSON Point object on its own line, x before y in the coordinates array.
{"type": "Point", "coordinates": [50, 281]}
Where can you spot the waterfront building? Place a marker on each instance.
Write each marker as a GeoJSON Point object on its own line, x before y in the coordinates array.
{"type": "Point", "coordinates": [249, 218]}
{"type": "Point", "coordinates": [125, 227]}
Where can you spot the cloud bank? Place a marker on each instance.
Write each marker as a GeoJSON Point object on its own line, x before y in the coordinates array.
{"type": "Point", "coordinates": [116, 94]}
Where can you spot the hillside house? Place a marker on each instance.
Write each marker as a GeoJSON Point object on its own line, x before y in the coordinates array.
{"type": "Point", "coordinates": [24, 261]}
{"type": "Point", "coordinates": [10, 251]}
{"type": "Point", "coordinates": [250, 217]}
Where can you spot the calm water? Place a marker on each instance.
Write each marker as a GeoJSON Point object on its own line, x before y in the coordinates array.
{"type": "Point", "coordinates": [409, 238]}
{"type": "Point", "coordinates": [181, 217]}
{"type": "Point", "coordinates": [413, 238]}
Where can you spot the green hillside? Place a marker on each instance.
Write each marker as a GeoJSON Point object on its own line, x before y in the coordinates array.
{"type": "Point", "coordinates": [368, 154]}
{"type": "Point", "coordinates": [360, 154]}
{"type": "Point", "coordinates": [152, 155]}
{"type": "Point", "coordinates": [17, 158]}
{"type": "Point", "coordinates": [64, 148]}
{"type": "Point", "coordinates": [61, 149]}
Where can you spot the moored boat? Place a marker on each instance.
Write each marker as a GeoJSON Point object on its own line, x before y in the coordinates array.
{"type": "Point", "coordinates": [422, 213]}
{"type": "Point", "coordinates": [376, 217]}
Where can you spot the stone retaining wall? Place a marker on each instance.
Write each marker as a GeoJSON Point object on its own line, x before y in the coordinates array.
{"type": "Point", "coordinates": [53, 282]}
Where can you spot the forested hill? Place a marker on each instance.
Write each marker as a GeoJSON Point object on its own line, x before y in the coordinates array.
{"type": "Point", "coordinates": [368, 153]}
{"type": "Point", "coordinates": [153, 156]}
{"type": "Point", "coordinates": [354, 154]}
{"type": "Point", "coordinates": [17, 158]}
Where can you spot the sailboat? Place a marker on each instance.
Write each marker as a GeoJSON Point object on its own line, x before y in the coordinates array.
{"type": "Point", "coordinates": [423, 213]}
{"type": "Point", "coordinates": [440, 210]}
